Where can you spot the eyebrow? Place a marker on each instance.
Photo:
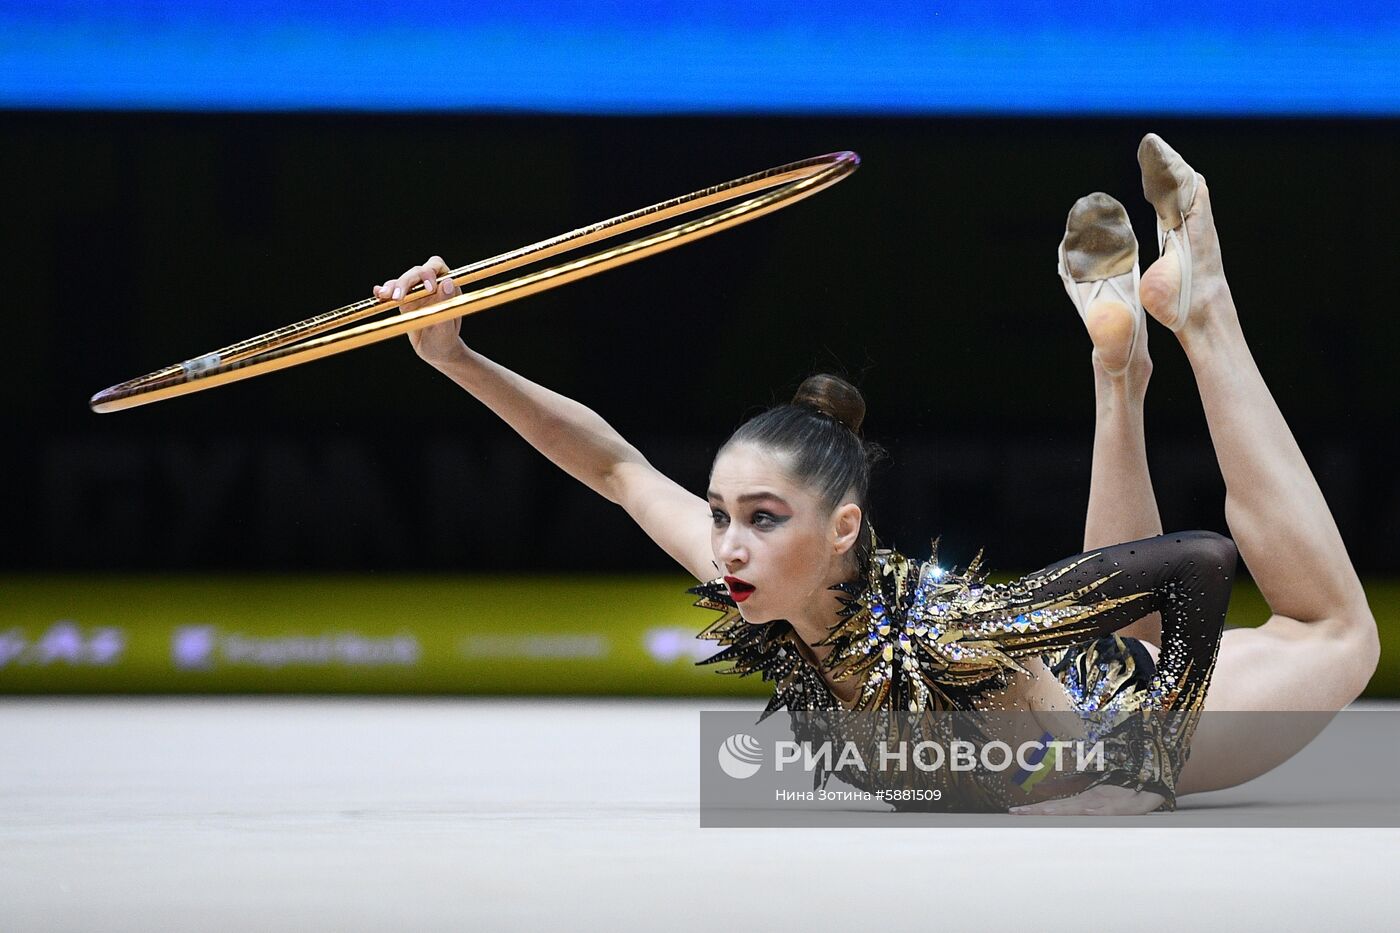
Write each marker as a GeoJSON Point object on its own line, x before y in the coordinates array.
{"type": "Point", "coordinates": [750, 496]}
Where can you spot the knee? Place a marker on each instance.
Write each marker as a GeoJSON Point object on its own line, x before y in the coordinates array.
{"type": "Point", "coordinates": [1363, 646]}
{"type": "Point", "coordinates": [1370, 652]}
{"type": "Point", "coordinates": [1344, 648]}
{"type": "Point", "coordinates": [1349, 649]}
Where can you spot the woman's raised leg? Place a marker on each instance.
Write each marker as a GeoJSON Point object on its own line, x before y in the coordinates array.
{"type": "Point", "coordinates": [1319, 648]}
{"type": "Point", "coordinates": [1122, 506]}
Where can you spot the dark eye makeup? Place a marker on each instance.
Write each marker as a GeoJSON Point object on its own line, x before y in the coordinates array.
{"type": "Point", "coordinates": [761, 518]}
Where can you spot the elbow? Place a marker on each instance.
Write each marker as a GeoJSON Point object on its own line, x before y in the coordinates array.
{"type": "Point", "coordinates": [618, 480]}
{"type": "Point", "coordinates": [1214, 547]}
{"type": "Point", "coordinates": [612, 482]}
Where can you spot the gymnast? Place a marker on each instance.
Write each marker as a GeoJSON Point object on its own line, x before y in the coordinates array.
{"type": "Point", "coordinates": [783, 546]}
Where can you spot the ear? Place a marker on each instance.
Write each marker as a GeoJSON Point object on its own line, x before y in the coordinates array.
{"type": "Point", "coordinates": [845, 525]}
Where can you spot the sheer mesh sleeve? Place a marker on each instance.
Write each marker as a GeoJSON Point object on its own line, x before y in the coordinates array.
{"type": "Point", "coordinates": [1187, 577]}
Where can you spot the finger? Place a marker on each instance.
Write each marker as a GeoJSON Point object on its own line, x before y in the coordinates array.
{"type": "Point", "coordinates": [433, 270]}
{"type": "Point", "coordinates": [406, 282]}
{"type": "Point", "coordinates": [1115, 809]}
{"type": "Point", "coordinates": [1056, 807]}
{"type": "Point", "coordinates": [385, 291]}
{"type": "Point", "coordinates": [396, 289]}
{"type": "Point", "coordinates": [1033, 809]}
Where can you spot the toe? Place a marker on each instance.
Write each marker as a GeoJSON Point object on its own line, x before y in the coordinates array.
{"type": "Point", "coordinates": [1168, 182]}
{"type": "Point", "coordinates": [1099, 240]}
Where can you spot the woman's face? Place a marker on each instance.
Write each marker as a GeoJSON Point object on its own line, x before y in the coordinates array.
{"type": "Point", "coordinates": [779, 547]}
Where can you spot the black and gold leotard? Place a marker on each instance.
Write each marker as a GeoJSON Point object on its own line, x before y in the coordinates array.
{"type": "Point", "coordinates": [919, 638]}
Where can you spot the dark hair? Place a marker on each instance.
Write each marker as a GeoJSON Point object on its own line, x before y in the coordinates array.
{"type": "Point", "coordinates": [820, 431]}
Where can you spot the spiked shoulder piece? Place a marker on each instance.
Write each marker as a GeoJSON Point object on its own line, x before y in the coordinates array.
{"type": "Point", "coordinates": [915, 635]}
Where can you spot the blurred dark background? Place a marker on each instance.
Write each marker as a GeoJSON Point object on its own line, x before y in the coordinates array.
{"type": "Point", "coordinates": [137, 239]}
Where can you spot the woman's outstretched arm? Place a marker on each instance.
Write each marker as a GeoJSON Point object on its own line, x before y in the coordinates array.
{"type": "Point", "coordinates": [574, 437]}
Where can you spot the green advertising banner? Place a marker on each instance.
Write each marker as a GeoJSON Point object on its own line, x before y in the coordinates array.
{"type": "Point", "coordinates": [492, 635]}
{"type": "Point", "coordinates": [394, 634]}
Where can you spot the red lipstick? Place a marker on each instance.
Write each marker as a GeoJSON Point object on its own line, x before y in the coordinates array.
{"type": "Point", "coordinates": [739, 589]}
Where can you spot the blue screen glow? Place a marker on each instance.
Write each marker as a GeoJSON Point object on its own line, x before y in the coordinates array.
{"type": "Point", "coordinates": [706, 56]}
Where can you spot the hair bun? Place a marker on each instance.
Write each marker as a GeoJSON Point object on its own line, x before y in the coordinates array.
{"type": "Point", "coordinates": [834, 396]}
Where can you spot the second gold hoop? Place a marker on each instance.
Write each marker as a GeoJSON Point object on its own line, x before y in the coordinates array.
{"type": "Point", "coordinates": [309, 339]}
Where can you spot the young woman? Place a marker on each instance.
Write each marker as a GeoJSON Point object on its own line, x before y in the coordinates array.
{"type": "Point", "coordinates": [813, 603]}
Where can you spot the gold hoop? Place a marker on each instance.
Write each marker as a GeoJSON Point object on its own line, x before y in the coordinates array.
{"type": "Point", "coordinates": [300, 343]}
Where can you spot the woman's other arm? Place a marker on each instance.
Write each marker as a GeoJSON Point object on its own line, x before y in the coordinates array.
{"type": "Point", "coordinates": [574, 437]}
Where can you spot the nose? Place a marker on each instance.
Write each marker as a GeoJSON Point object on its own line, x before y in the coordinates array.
{"type": "Point", "coordinates": [731, 550]}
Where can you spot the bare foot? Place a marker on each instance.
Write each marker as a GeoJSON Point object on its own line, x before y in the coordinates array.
{"type": "Point", "coordinates": [1098, 263]}
{"type": "Point", "coordinates": [1168, 183]}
